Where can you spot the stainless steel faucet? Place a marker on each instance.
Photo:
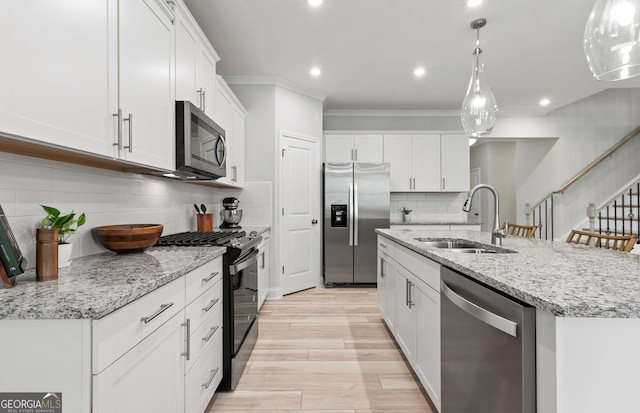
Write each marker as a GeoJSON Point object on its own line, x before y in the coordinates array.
{"type": "Point", "coordinates": [498, 233]}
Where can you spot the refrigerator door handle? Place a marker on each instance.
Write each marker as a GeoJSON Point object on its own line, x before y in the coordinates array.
{"type": "Point", "coordinates": [355, 211]}
{"type": "Point", "coordinates": [350, 223]}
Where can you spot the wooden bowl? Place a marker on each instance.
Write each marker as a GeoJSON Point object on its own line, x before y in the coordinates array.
{"type": "Point", "coordinates": [128, 238]}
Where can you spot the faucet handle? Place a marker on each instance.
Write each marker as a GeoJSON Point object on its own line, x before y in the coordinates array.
{"type": "Point", "coordinates": [505, 228]}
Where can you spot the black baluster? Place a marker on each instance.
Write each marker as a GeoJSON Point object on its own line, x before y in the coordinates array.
{"type": "Point", "coordinates": [615, 217]}
{"type": "Point", "coordinates": [546, 221]}
{"type": "Point", "coordinates": [622, 212]}
{"type": "Point", "coordinates": [608, 232]}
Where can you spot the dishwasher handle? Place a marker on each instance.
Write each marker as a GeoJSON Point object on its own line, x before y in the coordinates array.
{"type": "Point", "coordinates": [486, 316]}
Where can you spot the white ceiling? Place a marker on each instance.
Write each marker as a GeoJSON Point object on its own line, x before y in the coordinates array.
{"type": "Point", "coordinates": [368, 49]}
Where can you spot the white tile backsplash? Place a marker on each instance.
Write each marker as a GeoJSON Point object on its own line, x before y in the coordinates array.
{"type": "Point", "coordinates": [110, 197]}
{"type": "Point", "coordinates": [445, 207]}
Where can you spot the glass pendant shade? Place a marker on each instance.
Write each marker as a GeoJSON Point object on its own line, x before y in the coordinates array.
{"type": "Point", "coordinates": [479, 107]}
{"type": "Point", "coordinates": [611, 39]}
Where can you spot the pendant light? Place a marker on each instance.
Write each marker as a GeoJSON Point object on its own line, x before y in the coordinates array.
{"type": "Point", "coordinates": [479, 107]}
{"type": "Point", "coordinates": [611, 39]}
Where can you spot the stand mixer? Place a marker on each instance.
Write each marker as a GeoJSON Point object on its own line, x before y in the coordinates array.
{"type": "Point", "coordinates": [230, 215]}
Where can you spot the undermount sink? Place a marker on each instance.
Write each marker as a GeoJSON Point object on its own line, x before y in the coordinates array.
{"type": "Point", "coordinates": [462, 246]}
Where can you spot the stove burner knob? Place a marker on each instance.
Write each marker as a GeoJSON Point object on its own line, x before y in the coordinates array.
{"type": "Point", "coordinates": [234, 242]}
{"type": "Point", "coordinates": [253, 234]}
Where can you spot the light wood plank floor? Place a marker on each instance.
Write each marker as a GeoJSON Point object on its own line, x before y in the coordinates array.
{"type": "Point", "coordinates": [324, 350]}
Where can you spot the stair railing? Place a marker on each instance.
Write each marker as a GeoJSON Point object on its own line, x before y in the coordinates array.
{"type": "Point", "coordinates": [621, 213]}
{"type": "Point", "coordinates": [541, 213]}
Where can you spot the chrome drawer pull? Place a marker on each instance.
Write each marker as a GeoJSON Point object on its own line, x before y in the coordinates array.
{"type": "Point", "coordinates": [210, 277]}
{"type": "Point", "coordinates": [210, 379]}
{"type": "Point", "coordinates": [211, 304]}
{"type": "Point", "coordinates": [187, 353]}
{"type": "Point", "coordinates": [211, 333]}
{"type": "Point", "coordinates": [161, 310]}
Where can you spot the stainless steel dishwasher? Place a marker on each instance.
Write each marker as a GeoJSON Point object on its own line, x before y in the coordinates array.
{"type": "Point", "coordinates": [487, 349]}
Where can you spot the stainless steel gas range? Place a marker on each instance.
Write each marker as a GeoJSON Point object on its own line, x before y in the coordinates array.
{"type": "Point", "coordinates": [240, 295]}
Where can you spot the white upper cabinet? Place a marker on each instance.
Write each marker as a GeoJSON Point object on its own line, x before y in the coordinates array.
{"type": "Point", "coordinates": [195, 63]}
{"type": "Point", "coordinates": [455, 163]}
{"type": "Point", "coordinates": [146, 88]}
{"type": "Point", "coordinates": [230, 114]}
{"type": "Point", "coordinates": [353, 148]}
{"type": "Point", "coordinates": [95, 76]}
{"type": "Point", "coordinates": [428, 163]}
{"type": "Point", "coordinates": [55, 71]}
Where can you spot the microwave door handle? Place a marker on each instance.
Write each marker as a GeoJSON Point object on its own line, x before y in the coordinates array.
{"type": "Point", "coordinates": [224, 153]}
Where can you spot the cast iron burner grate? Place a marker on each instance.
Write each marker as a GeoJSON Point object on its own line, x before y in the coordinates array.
{"type": "Point", "coordinates": [219, 238]}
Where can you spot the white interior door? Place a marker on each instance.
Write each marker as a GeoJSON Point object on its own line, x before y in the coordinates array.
{"type": "Point", "coordinates": [300, 203]}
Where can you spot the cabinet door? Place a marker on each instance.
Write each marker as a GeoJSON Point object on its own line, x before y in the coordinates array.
{"type": "Point", "coordinates": [148, 378]}
{"type": "Point", "coordinates": [338, 148]}
{"type": "Point", "coordinates": [383, 270]}
{"type": "Point", "coordinates": [186, 54]}
{"type": "Point", "coordinates": [397, 152]}
{"type": "Point", "coordinates": [425, 158]}
{"type": "Point", "coordinates": [55, 73]}
{"type": "Point", "coordinates": [368, 148]}
{"type": "Point", "coordinates": [224, 118]}
{"type": "Point", "coordinates": [455, 163]}
{"type": "Point", "coordinates": [263, 273]}
{"type": "Point", "coordinates": [238, 127]}
{"type": "Point", "coordinates": [390, 313]}
{"type": "Point", "coordinates": [427, 361]}
{"type": "Point", "coordinates": [146, 57]}
{"type": "Point", "coordinates": [405, 323]}
{"type": "Point", "coordinates": [206, 80]}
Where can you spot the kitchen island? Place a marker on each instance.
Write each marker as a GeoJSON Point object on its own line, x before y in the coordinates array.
{"type": "Point", "coordinates": [587, 312]}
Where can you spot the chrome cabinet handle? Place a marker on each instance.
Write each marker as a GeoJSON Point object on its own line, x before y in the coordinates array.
{"type": "Point", "coordinates": [187, 353]}
{"type": "Point", "coordinates": [314, 221]}
{"type": "Point", "coordinates": [162, 309]}
{"type": "Point", "coordinates": [382, 246]}
{"type": "Point", "coordinates": [482, 314]}
{"type": "Point", "coordinates": [210, 277]}
{"type": "Point", "coordinates": [406, 293]}
{"type": "Point", "coordinates": [410, 300]}
{"type": "Point", "coordinates": [356, 154]}
{"type": "Point", "coordinates": [199, 92]}
{"type": "Point", "coordinates": [210, 379]}
{"type": "Point", "coordinates": [204, 100]}
{"type": "Point", "coordinates": [130, 120]}
{"type": "Point", "coordinates": [443, 184]}
{"type": "Point", "coordinates": [211, 333]}
{"type": "Point", "coordinates": [235, 173]}
{"type": "Point", "coordinates": [119, 117]}
{"type": "Point", "coordinates": [211, 304]}
{"type": "Point", "coordinates": [382, 275]}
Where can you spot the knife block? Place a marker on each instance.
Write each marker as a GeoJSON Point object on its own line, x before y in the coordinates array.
{"type": "Point", "coordinates": [204, 222]}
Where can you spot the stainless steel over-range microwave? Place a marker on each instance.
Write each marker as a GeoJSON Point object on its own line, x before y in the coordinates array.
{"type": "Point", "coordinates": [200, 144]}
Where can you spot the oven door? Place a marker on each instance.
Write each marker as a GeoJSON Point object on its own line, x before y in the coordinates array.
{"type": "Point", "coordinates": [244, 281]}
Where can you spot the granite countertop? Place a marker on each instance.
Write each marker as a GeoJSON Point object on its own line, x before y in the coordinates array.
{"type": "Point", "coordinates": [95, 285]}
{"type": "Point", "coordinates": [413, 222]}
{"type": "Point", "coordinates": [567, 280]}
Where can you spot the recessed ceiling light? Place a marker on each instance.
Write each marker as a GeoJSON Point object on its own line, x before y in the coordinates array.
{"type": "Point", "coordinates": [315, 71]}
{"type": "Point", "coordinates": [315, 3]}
{"type": "Point", "coordinates": [419, 72]}
{"type": "Point", "coordinates": [544, 102]}
{"type": "Point", "coordinates": [473, 3]}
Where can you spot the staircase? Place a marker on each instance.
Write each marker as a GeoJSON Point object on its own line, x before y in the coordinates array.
{"type": "Point", "coordinates": [619, 215]}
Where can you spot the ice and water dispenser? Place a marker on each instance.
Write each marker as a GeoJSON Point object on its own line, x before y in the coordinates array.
{"type": "Point", "coordinates": [338, 215]}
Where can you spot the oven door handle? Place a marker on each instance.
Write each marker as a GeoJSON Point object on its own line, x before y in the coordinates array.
{"type": "Point", "coordinates": [247, 262]}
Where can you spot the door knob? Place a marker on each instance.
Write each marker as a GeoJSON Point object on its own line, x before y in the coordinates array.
{"type": "Point", "coordinates": [314, 221]}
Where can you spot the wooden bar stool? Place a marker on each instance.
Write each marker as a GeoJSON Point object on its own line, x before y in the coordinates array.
{"type": "Point", "coordinates": [527, 231]}
{"type": "Point", "coordinates": [622, 243]}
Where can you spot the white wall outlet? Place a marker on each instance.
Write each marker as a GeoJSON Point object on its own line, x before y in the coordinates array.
{"type": "Point", "coordinates": [453, 210]}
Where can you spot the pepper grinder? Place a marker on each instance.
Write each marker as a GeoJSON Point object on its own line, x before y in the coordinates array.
{"type": "Point", "coordinates": [46, 254]}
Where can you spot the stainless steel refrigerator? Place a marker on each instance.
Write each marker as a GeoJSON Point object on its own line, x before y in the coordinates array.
{"type": "Point", "coordinates": [356, 202]}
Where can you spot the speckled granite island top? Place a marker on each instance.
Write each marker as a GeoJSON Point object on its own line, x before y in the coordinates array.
{"type": "Point", "coordinates": [565, 279]}
{"type": "Point", "coordinates": [95, 285]}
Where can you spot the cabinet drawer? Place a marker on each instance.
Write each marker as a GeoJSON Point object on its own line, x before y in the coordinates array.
{"type": "Point", "coordinates": [204, 335]}
{"type": "Point", "coordinates": [203, 380]}
{"type": "Point", "coordinates": [200, 279]}
{"type": "Point", "coordinates": [426, 270]}
{"type": "Point", "coordinates": [205, 305]}
{"type": "Point", "coordinates": [387, 246]}
{"type": "Point", "coordinates": [116, 333]}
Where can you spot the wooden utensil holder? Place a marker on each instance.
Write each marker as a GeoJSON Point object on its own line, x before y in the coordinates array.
{"type": "Point", "coordinates": [204, 222]}
{"type": "Point", "coordinates": [46, 254]}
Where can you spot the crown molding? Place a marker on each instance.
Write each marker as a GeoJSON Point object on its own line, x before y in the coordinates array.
{"type": "Point", "coordinates": [274, 81]}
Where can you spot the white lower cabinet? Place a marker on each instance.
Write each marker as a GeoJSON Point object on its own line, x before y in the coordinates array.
{"type": "Point", "coordinates": [409, 301]}
{"type": "Point", "coordinates": [263, 269]}
{"type": "Point", "coordinates": [162, 352]}
{"type": "Point", "coordinates": [148, 378]}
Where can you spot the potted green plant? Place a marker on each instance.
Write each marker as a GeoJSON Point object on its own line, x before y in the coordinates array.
{"type": "Point", "coordinates": [66, 225]}
{"type": "Point", "coordinates": [406, 214]}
